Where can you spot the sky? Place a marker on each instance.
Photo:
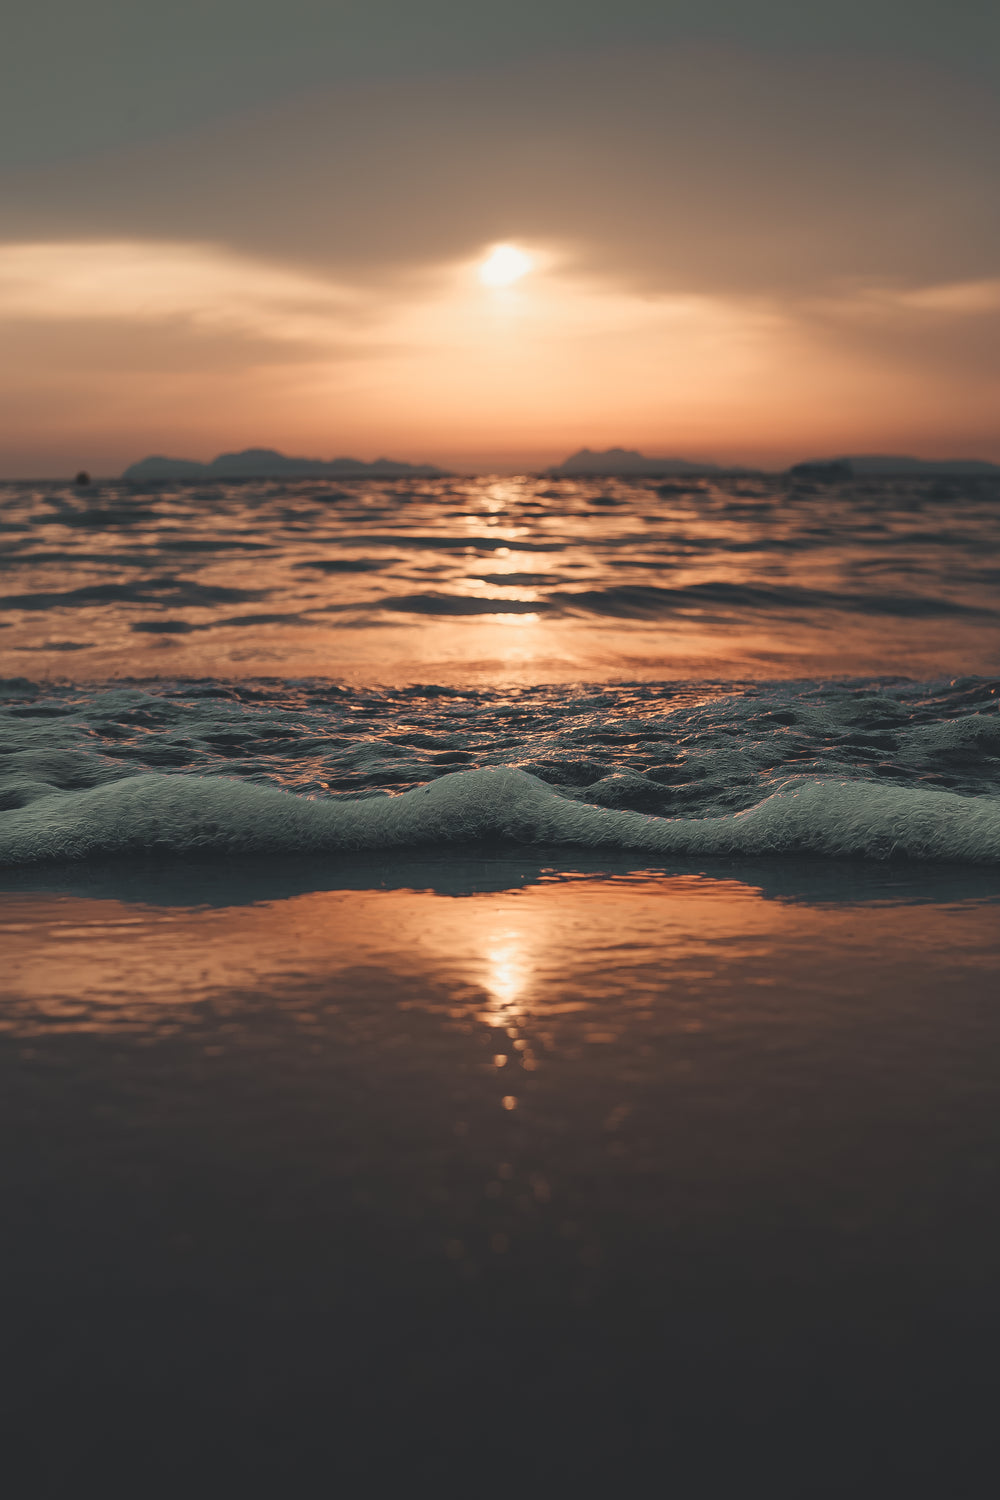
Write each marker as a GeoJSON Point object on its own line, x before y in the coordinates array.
{"type": "Point", "coordinates": [750, 231]}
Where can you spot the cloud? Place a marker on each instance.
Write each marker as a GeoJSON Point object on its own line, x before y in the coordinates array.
{"type": "Point", "coordinates": [106, 335]}
{"type": "Point", "coordinates": [946, 333]}
{"type": "Point", "coordinates": [690, 169]}
{"type": "Point", "coordinates": [208, 289]}
{"type": "Point", "coordinates": [122, 347]}
{"type": "Point", "coordinates": [957, 299]}
{"type": "Point", "coordinates": [740, 255]}
{"type": "Point", "coordinates": [78, 78]}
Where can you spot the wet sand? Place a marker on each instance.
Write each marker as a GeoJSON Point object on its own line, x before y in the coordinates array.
{"type": "Point", "coordinates": [480, 1175]}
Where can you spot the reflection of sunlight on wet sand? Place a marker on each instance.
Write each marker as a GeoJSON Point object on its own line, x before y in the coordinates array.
{"type": "Point", "coordinates": [506, 960]}
{"type": "Point", "coordinates": [507, 972]}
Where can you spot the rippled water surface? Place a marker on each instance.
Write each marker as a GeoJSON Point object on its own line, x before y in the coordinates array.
{"type": "Point", "coordinates": [498, 987]}
{"type": "Point", "coordinates": [478, 582]}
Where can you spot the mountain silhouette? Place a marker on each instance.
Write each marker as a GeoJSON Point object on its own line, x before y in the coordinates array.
{"type": "Point", "coordinates": [268, 463]}
{"type": "Point", "coordinates": [854, 465]}
{"type": "Point", "coordinates": [626, 461]}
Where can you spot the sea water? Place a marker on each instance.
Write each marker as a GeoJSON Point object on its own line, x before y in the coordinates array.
{"type": "Point", "coordinates": [183, 612]}
{"type": "Point", "coordinates": [499, 986]}
{"type": "Point", "coordinates": [515, 582]}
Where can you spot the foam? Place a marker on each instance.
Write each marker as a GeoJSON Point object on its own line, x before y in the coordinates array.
{"type": "Point", "coordinates": [179, 814]}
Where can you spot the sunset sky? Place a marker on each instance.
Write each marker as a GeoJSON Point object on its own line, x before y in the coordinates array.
{"type": "Point", "coordinates": [750, 230]}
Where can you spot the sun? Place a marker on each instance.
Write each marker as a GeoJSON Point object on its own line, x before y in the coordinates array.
{"type": "Point", "coordinates": [504, 265]}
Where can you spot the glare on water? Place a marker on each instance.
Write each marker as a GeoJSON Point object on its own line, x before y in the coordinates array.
{"type": "Point", "coordinates": [484, 581]}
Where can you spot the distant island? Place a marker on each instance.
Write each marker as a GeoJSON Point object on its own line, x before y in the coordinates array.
{"type": "Point", "coordinates": [627, 461]}
{"type": "Point", "coordinates": [266, 463]}
{"type": "Point", "coordinates": [856, 465]}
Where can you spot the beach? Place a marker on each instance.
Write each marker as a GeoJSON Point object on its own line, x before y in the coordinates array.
{"type": "Point", "coordinates": [525, 1029]}
{"type": "Point", "coordinates": [499, 750]}
{"type": "Point", "coordinates": [489, 1164]}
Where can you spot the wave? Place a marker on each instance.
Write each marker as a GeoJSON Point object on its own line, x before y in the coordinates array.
{"type": "Point", "coordinates": [625, 559]}
{"type": "Point", "coordinates": [646, 601]}
{"type": "Point", "coordinates": [187, 815]}
{"type": "Point", "coordinates": [162, 591]}
{"type": "Point", "coordinates": [457, 604]}
{"type": "Point", "coordinates": [637, 601]}
{"type": "Point", "coordinates": [867, 769]}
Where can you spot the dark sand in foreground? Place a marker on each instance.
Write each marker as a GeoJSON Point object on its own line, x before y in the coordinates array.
{"type": "Point", "coordinates": [461, 1175]}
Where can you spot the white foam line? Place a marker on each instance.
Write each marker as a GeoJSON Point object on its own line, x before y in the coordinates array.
{"type": "Point", "coordinates": [182, 814]}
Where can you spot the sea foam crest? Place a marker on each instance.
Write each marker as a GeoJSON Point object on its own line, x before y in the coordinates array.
{"type": "Point", "coordinates": [187, 815]}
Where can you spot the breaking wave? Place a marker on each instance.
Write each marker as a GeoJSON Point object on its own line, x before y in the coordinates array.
{"type": "Point", "coordinates": [185, 815]}
{"type": "Point", "coordinates": [876, 771]}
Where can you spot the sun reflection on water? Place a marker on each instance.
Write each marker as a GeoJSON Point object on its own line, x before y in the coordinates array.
{"type": "Point", "coordinates": [594, 954]}
{"type": "Point", "coordinates": [507, 976]}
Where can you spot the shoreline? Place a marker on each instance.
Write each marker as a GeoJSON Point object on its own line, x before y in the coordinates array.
{"type": "Point", "coordinates": [378, 1167]}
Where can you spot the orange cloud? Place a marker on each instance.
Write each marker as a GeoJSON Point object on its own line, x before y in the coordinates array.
{"type": "Point", "coordinates": [130, 345]}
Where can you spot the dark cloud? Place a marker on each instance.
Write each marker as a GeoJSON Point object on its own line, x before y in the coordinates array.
{"type": "Point", "coordinates": [679, 170]}
{"type": "Point", "coordinates": [103, 345]}
{"type": "Point", "coordinates": [799, 167]}
{"type": "Point", "coordinates": [950, 348]}
{"type": "Point", "coordinates": [81, 77]}
{"type": "Point", "coordinates": [758, 145]}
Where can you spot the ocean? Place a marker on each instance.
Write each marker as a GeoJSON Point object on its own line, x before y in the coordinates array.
{"type": "Point", "coordinates": [499, 983]}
